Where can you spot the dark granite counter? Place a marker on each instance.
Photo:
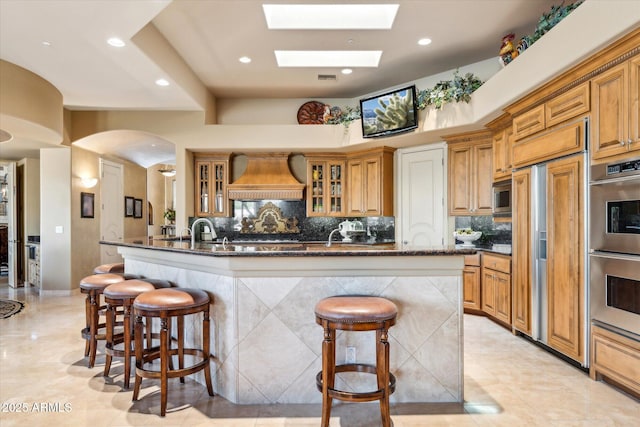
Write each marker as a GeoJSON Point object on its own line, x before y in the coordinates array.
{"type": "Point", "coordinates": [287, 248]}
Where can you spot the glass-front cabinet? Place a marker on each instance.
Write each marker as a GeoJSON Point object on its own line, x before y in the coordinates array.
{"type": "Point", "coordinates": [211, 179]}
{"type": "Point", "coordinates": [325, 186]}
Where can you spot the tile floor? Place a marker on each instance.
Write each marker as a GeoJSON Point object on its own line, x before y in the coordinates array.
{"type": "Point", "coordinates": [508, 382]}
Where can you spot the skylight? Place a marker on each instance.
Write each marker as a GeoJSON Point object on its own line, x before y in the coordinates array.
{"type": "Point", "coordinates": [330, 16]}
{"type": "Point", "coordinates": [328, 58]}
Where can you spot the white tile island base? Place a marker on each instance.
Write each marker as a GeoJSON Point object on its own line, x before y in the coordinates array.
{"type": "Point", "coordinates": [267, 346]}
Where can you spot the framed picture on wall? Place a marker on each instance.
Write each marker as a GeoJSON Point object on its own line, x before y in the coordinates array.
{"type": "Point", "coordinates": [87, 205]}
{"type": "Point", "coordinates": [128, 206]}
{"type": "Point", "coordinates": [137, 208]}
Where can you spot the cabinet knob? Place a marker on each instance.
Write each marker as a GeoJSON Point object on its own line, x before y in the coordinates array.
{"type": "Point", "coordinates": [629, 141]}
{"type": "Point", "coordinates": [622, 142]}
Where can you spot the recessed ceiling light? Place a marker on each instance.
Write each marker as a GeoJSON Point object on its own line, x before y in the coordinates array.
{"type": "Point", "coordinates": [244, 59]}
{"type": "Point", "coordinates": [115, 42]}
{"type": "Point", "coordinates": [46, 43]}
{"type": "Point", "coordinates": [162, 82]}
{"type": "Point", "coordinates": [347, 71]}
{"type": "Point", "coordinates": [330, 16]}
{"type": "Point", "coordinates": [328, 58]}
{"type": "Point", "coordinates": [424, 42]}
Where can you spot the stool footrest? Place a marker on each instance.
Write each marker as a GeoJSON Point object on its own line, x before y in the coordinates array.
{"type": "Point", "coordinates": [174, 373]}
{"type": "Point", "coordinates": [350, 396]}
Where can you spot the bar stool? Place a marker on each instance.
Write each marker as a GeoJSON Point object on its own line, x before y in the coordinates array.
{"type": "Point", "coordinates": [93, 286]}
{"type": "Point", "coordinates": [355, 313]}
{"type": "Point", "coordinates": [122, 295]}
{"type": "Point", "coordinates": [115, 267]}
{"type": "Point", "coordinates": [166, 304]}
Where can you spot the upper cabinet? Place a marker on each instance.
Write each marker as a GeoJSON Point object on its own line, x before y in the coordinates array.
{"type": "Point", "coordinates": [211, 179]}
{"type": "Point", "coordinates": [470, 173]}
{"type": "Point", "coordinates": [615, 126]}
{"type": "Point", "coordinates": [567, 105]}
{"type": "Point", "coordinates": [370, 183]}
{"type": "Point", "coordinates": [502, 141]}
{"type": "Point", "coordinates": [326, 185]}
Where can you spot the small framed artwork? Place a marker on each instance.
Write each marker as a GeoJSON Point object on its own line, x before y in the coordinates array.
{"type": "Point", "coordinates": [128, 206]}
{"type": "Point", "coordinates": [137, 208]}
{"type": "Point", "coordinates": [87, 205]}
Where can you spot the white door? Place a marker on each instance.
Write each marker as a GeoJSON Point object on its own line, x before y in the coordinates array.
{"type": "Point", "coordinates": [421, 201]}
{"type": "Point", "coordinates": [112, 209]}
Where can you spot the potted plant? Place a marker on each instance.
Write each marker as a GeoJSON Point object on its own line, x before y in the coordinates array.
{"type": "Point", "coordinates": [170, 215]}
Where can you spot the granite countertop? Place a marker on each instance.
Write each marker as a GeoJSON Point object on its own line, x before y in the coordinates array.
{"type": "Point", "coordinates": [288, 248]}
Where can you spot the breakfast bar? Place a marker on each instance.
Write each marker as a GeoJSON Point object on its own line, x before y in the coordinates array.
{"type": "Point", "coordinates": [264, 339]}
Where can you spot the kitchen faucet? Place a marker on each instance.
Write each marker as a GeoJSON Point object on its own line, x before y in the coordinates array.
{"type": "Point", "coordinates": [181, 231]}
{"type": "Point", "coordinates": [193, 230]}
{"type": "Point", "coordinates": [331, 234]}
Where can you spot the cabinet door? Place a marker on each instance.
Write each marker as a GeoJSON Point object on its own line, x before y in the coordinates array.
{"type": "Point", "coordinates": [460, 185]}
{"type": "Point", "coordinates": [325, 188]}
{"type": "Point", "coordinates": [372, 196]}
{"type": "Point", "coordinates": [203, 187]}
{"type": "Point", "coordinates": [502, 154]}
{"type": "Point", "coordinates": [565, 263]}
{"type": "Point", "coordinates": [610, 117]}
{"type": "Point", "coordinates": [634, 105]}
{"type": "Point", "coordinates": [355, 199]}
{"type": "Point", "coordinates": [483, 179]}
{"type": "Point", "coordinates": [521, 258]}
{"type": "Point", "coordinates": [502, 282]}
{"type": "Point", "coordinates": [471, 282]}
{"type": "Point", "coordinates": [488, 292]}
{"type": "Point", "coordinates": [334, 188]}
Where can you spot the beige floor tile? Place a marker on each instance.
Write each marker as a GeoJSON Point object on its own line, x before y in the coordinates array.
{"type": "Point", "coordinates": [508, 382]}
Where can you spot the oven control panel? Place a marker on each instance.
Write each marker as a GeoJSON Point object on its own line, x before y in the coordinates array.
{"type": "Point", "coordinates": [618, 168]}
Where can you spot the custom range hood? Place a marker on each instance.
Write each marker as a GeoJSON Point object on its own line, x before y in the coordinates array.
{"type": "Point", "coordinates": [267, 177]}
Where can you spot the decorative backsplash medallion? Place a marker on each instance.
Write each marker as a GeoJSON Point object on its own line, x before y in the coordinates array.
{"type": "Point", "coordinates": [269, 221]}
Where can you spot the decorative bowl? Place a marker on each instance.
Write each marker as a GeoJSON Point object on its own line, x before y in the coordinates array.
{"type": "Point", "coordinates": [467, 238]}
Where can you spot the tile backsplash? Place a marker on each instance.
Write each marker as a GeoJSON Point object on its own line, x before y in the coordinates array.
{"type": "Point", "coordinates": [492, 232]}
{"type": "Point", "coordinates": [379, 229]}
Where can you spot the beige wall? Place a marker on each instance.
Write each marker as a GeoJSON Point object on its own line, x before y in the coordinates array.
{"type": "Point", "coordinates": [158, 196]}
{"type": "Point", "coordinates": [31, 193]}
{"type": "Point", "coordinates": [55, 199]}
{"type": "Point", "coordinates": [135, 185]}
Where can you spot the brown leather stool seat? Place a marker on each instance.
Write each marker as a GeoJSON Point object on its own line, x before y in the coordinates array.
{"type": "Point", "coordinates": [114, 267]}
{"type": "Point", "coordinates": [355, 313]}
{"type": "Point", "coordinates": [122, 295]}
{"type": "Point", "coordinates": [166, 304]}
{"type": "Point", "coordinates": [93, 286]}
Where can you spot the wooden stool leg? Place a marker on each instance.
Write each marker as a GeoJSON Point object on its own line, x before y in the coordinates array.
{"type": "Point", "coordinates": [139, 355]}
{"type": "Point", "coordinates": [127, 341]}
{"type": "Point", "coordinates": [382, 370]}
{"type": "Point", "coordinates": [87, 312]}
{"type": "Point", "coordinates": [164, 365]}
{"type": "Point", "coordinates": [328, 372]}
{"type": "Point", "coordinates": [180, 325]}
{"type": "Point", "coordinates": [110, 315]}
{"type": "Point", "coordinates": [93, 329]}
{"type": "Point", "coordinates": [206, 350]}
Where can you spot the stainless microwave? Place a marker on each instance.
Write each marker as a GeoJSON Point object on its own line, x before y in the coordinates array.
{"type": "Point", "coordinates": [502, 199]}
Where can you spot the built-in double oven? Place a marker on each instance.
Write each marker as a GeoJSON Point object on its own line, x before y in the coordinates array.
{"type": "Point", "coordinates": [615, 245]}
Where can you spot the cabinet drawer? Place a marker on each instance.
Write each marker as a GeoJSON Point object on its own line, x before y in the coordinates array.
{"type": "Point", "coordinates": [570, 104]}
{"type": "Point", "coordinates": [529, 123]}
{"type": "Point", "coordinates": [472, 260]}
{"type": "Point", "coordinates": [616, 357]}
{"type": "Point", "coordinates": [495, 262]}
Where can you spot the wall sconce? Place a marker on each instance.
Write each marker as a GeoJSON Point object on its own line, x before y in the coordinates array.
{"type": "Point", "coordinates": [89, 182]}
{"type": "Point", "coordinates": [167, 172]}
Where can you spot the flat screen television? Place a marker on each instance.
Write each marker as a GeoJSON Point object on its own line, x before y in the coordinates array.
{"type": "Point", "coordinates": [389, 113]}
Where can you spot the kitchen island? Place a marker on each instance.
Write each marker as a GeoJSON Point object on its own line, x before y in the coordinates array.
{"type": "Point", "coordinates": [265, 342]}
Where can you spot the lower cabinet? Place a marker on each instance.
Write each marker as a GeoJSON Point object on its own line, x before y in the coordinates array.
{"type": "Point", "coordinates": [471, 284]}
{"type": "Point", "coordinates": [496, 286]}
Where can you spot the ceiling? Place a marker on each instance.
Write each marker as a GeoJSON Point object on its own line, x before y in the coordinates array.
{"type": "Point", "coordinates": [198, 42]}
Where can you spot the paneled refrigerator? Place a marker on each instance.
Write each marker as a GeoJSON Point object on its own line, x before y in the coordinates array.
{"type": "Point", "coordinates": [550, 255]}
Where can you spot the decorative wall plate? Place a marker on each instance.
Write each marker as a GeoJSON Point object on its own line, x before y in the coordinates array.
{"type": "Point", "coordinates": [311, 113]}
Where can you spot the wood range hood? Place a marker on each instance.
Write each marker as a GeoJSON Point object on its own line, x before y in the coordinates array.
{"type": "Point", "coordinates": [267, 176]}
